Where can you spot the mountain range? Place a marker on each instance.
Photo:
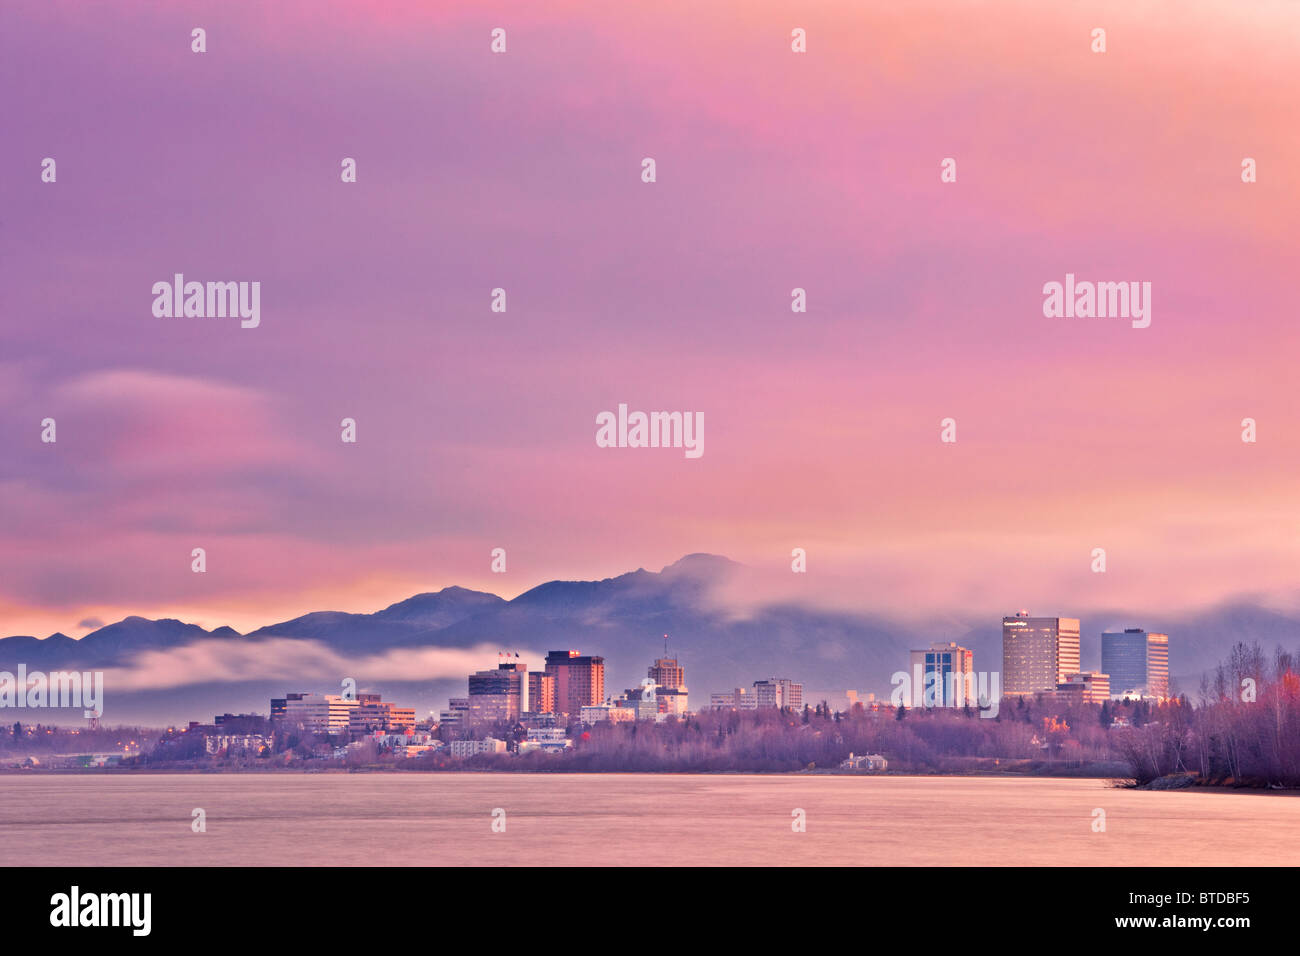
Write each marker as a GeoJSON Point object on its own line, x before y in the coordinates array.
{"type": "Point", "coordinates": [418, 651]}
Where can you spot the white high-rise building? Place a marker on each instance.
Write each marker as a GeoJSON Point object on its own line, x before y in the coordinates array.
{"type": "Point", "coordinates": [777, 692]}
{"type": "Point", "coordinates": [943, 675]}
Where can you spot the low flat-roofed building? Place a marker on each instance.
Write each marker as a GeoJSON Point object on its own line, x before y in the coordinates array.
{"type": "Point", "coordinates": [551, 740]}
{"type": "Point", "coordinates": [373, 714]}
{"type": "Point", "coordinates": [1088, 687]}
{"type": "Point", "coordinates": [672, 701]}
{"type": "Point", "coordinates": [320, 713]}
{"type": "Point", "coordinates": [237, 744]}
{"type": "Point", "coordinates": [278, 705]}
{"type": "Point", "coordinates": [469, 748]}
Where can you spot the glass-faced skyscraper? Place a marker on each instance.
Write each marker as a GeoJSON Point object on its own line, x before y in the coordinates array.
{"type": "Point", "coordinates": [1038, 653]}
{"type": "Point", "coordinates": [1137, 662]}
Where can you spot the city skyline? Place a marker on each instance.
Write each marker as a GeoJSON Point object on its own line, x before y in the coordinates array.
{"type": "Point", "coordinates": [941, 675]}
{"type": "Point", "coordinates": [476, 429]}
{"type": "Point", "coordinates": [424, 644]}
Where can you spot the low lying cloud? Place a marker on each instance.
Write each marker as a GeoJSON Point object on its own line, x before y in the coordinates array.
{"type": "Point", "coordinates": [299, 662]}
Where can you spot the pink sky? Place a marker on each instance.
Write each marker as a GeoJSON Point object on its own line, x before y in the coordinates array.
{"type": "Point", "coordinates": [775, 170]}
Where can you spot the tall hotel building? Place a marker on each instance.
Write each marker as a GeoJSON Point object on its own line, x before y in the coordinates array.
{"type": "Point", "coordinates": [1038, 653]}
{"type": "Point", "coordinates": [1137, 662]}
{"type": "Point", "coordinates": [579, 681]}
{"type": "Point", "coordinates": [666, 672]}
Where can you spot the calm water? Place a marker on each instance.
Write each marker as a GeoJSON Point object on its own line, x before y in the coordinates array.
{"type": "Point", "coordinates": [559, 819]}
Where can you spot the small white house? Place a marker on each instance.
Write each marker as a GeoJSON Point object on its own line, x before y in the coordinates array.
{"type": "Point", "coordinates": [865, 762]}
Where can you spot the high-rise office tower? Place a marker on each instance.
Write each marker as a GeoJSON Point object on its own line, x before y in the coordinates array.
{"type": "Point", "coordinates": [670, 677]}
{"type": "Point", "coordinates": [498, 695]}
{"type": "Point", "coordinates": [1038, 653]}
{"type": "Point", "coordinates": [1137, 662]}
{"type": "Point", "coordinates": [666, 672]}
